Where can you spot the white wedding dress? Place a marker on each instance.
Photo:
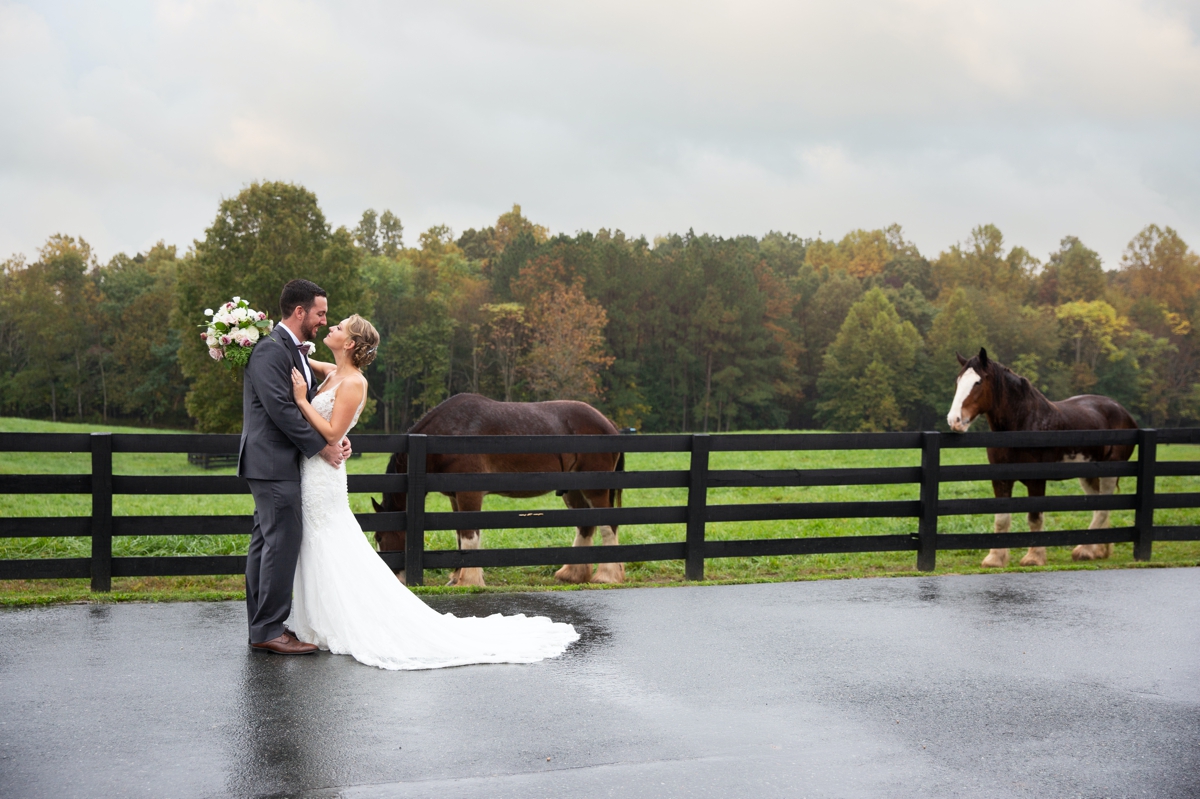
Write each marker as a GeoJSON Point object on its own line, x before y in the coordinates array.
{"type": "Point", "coordinates": [346, 599]}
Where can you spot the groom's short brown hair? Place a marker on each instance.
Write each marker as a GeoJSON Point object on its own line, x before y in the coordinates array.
{"type": "Point", "coordinates": [299, 292]}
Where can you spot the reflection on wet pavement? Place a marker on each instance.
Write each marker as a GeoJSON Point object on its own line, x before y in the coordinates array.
{"type": "Point", "coordinates": [973, 686]}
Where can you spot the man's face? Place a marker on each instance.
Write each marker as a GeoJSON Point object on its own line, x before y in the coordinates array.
{"type": "Point", "coordinates": [313, 318]}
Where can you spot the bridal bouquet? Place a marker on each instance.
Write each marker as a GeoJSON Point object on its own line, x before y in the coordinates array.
{"type": "Point", "coordinates": [233, 330]}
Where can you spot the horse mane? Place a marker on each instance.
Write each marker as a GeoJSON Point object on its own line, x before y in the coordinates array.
{"type": "Point", "coordinates": [1014, 392]}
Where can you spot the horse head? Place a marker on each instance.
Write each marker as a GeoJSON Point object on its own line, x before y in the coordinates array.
{"type": "Point", "coordinates": [972, 392]}
{"type": "Point", "coordinates": [389, 540]}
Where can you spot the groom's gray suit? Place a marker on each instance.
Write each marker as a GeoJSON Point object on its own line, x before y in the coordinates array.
{"type": "Point", "coordinates": [274, 436]}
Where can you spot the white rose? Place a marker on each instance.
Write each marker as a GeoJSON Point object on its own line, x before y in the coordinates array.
{"type": "Point", "coordinates": [236, 300]}
{"type": "Point", "coordinates": [252, 334]}
{"type": "Point", "coordinates": [208, 311]}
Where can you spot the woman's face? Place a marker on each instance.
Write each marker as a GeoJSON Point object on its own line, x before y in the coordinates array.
{"type": "Point", "coordinates": [337, 337]}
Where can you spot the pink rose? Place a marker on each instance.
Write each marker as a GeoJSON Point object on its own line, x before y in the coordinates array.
{"type": "Point", "coordinates": [204, 336]}
{"type": "Point", "coordinates": [216, 354]}
{"type": "Point", "coordinates": [225, 339]}
{"type": "Point", "coordinates": [247, 342]}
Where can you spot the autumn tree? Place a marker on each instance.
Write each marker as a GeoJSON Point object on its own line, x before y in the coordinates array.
{"type": "Point", "coordinates": [862, 253]}
{"type": "Point", "coordinates": [957, 329]}
{"type": "Point", "coordinates": [1091, 331]}
{"type": "Point", "coordinates": [1158, 264]}
{"type": "Point", "coordinates": [137, 353]}
{"type": "Point", "coordinates": [512, 243]}
{"type": "Point", "coordinates": [982, 263]}
{"type": "Point", "coordinates": [505, 333]}
{"type": "Point", "coordinates": [1072, 273]}
{"type": "Point", "coordinates": [566, 353]}
{"type": "Point", "coordinates": [267, 235]}
{"type": "Point", "coordinates": [825, 299]}
{"type": "Point", "coordinates": [869, 381]}
{"type": "Point", "coordinates": [50, 327]}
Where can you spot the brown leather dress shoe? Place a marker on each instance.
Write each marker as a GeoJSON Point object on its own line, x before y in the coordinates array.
{"type": "Point", "coordinates": [285, 645]}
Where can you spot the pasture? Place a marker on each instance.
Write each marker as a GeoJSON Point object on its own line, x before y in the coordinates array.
{"type": "Point", "coordinates": [650, 573]}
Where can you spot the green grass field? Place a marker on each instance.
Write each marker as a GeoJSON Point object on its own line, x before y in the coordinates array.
{"type": "Point", "coordinates": [651, 573]}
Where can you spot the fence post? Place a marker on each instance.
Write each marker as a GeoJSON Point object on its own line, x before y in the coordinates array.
{"type": "Point", "coordinates": [931, 464]}
{"type": "Point", "coordinates": [1143, 519]}
{"type": "Point", "coordinates": [696, 507]}
{"type": "Point", "coordinates": [414, 538]}
{"type": "Point", "coordinates": [102, 504]}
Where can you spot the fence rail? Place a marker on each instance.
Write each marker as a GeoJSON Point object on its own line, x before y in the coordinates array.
{"type": "Point", "coordinates": [102, 484]}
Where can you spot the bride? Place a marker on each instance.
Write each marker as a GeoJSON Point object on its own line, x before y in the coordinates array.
{"type": "Point", "coordinates": [345, 598]}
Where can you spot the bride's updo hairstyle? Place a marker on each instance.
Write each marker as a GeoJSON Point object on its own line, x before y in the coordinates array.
{"type": "Point", "coordinates": [365, 338]}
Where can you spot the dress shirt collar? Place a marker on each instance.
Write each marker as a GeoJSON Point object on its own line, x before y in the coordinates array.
{"type": "Point", "coordinates": [295, 339]}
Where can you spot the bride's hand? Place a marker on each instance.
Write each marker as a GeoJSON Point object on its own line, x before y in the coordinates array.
{"type": "Point", "coordinates": [299, 387]}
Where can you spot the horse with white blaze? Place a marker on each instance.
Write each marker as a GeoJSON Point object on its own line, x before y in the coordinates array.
{"type": "Point", "coordinates": [1011, 403]}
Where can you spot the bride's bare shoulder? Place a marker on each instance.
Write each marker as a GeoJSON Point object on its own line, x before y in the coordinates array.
{"type": "Point", "coordinates": [353, 387]}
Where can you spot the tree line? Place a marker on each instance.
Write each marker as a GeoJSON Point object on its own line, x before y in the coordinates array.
{"type": "Point", "coordinates": [690, 332]}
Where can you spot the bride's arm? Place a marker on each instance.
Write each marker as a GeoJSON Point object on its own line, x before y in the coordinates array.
{"type": "Point", "coordinates": [345, 404]}
{"type": "Point", "coordinates": [320, 368]}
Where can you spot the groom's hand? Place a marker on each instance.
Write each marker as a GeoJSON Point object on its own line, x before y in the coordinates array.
{"type": "Point", "coordinates": [332, 454]}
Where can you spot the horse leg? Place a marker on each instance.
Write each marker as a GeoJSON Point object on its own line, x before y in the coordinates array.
{"type": "Point", "coordinates": [606, 572]}
{"type": "Point", "coordinates": [468, 539]}
{"type": "Point", "coordinates": [998, 558]}
{"type": "Point", "coordinates": [456, 574]}
{"type": "Point", "coordinates": [1036, 556]}
{"type": "Point", "coordinates": [577, 572]}
{"type": "Point", "coordinates": [1095, 485]}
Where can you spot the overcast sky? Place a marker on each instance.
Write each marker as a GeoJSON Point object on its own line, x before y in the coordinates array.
{"type": "Point", "coordinates": [127, 122]}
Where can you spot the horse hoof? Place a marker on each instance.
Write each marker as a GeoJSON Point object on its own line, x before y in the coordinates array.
{"type": "Point", "coordinates": [609, 573]}
{"type": "Point", "coordinates": [1035, 558]}
{"type": "Point", "coordinates": [1091, 551]}
{"type": "Point", "coordinates": [995, 561]}
{"type": "Point", "coordinates": [574, 573]}
{"type": "Point", "coordinates": [467, 577]}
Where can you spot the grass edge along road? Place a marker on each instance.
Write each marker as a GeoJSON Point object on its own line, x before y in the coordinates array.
{"type": "Point", "coordinates": [719, 571]}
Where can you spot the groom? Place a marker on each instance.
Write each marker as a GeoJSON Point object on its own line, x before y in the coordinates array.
{"type": "Point", "coordinates": [274, 436]}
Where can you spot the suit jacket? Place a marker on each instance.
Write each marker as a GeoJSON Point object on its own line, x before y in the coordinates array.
{"type": "Point", "coordinates": [274, 432]}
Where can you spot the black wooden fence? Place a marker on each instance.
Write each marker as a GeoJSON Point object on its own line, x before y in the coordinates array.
{"type": "Point", "coordinates": [925, 540]}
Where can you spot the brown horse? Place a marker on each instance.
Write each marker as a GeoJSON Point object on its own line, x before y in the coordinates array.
{"type": "Point", "coordinates": [473, 415]}
{"type": "Point", "coordinates": [1010, 402]}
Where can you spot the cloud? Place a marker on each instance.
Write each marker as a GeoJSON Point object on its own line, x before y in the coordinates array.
{"type": "Point", "coordinates": [128, 122]}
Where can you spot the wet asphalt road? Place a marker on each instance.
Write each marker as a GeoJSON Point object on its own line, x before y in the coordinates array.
{"type": "Point", "coordinates": [1083, 684]}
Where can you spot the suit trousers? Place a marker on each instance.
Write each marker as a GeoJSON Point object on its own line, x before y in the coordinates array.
{"type": "Point", "coordinates": [271, 561]}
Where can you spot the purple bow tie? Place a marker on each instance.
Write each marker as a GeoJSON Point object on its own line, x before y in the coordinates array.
{"type": "Point", "coordinates": [305, 347]}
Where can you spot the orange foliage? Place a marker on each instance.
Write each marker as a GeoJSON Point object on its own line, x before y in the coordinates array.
{"type": "Point", "coordinates": [862, 253]}
{"type": "Point", "coordinates": [567, 332]}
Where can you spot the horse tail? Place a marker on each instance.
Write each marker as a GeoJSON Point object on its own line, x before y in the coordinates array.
{"type": "Point", "coordinates": [616, 492]}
